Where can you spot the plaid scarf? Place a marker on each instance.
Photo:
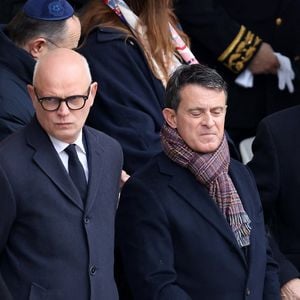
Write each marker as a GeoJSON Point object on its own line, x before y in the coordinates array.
{"type": "Point", "coordinates": [211, 169]}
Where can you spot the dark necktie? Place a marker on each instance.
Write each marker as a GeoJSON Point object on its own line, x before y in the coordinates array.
{"type": "Point", "coordinates": [76, 171]}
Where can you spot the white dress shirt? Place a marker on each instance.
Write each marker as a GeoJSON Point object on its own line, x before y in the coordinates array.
{"type": "Point", "coordinates": [61, 146]}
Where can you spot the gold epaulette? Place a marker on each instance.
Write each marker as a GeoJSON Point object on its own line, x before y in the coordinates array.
{"type": "Point", "coordinates": [241, 50]}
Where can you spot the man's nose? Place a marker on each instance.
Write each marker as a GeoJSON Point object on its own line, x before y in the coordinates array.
{"type": "Point", "coordinates": [63, 108]}
{"type": "Point", "coordinates": [207, 119]}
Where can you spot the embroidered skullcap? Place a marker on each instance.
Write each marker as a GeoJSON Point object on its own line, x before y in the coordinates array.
{"type": "Point", "coordinates": [48, 10]}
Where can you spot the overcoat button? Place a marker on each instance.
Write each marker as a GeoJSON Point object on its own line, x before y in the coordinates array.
{"type": "Point", "coordinates": [93, 270]}
{"type": "Point", "coordinates": [278, 21]}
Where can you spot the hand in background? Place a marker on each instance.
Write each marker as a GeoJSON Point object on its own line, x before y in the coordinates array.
{"type": "Point", "coordinates": [291, 290]}
{"type": "Point", "coordinates": [265, 61]}
{"type": "Point", "coordinates": [124, 178]}
{"type": "Point", "coordinates": [285, 73]}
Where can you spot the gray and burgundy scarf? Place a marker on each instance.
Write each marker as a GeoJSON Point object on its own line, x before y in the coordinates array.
{"type": "Point", "coordinates": [211, 169]}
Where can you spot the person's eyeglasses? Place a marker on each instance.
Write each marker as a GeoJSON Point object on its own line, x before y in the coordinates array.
{"type": "Point", "coordinates": [50, 42]}
{"type": "Point", "coordinates": [74, 102]}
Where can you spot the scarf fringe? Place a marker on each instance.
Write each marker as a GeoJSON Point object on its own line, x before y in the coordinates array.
{"type": "Point", "coordinates": [241, 228]}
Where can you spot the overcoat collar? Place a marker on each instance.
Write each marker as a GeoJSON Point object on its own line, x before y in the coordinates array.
{"type": "Point", "coordinates": [49, 162]}
{"type": "Point", "coordinates": [196, 195]}
{"type": "Point", "coordinates": [22, 63]}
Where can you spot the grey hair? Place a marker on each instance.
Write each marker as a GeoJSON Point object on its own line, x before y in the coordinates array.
{"type": "Point", "coordinates": [22, 29]}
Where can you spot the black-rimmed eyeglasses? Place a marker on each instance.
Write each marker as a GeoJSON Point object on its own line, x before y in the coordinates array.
{"type": "Point", "coordinates": [74, 102]}
{"type": "Point", "coordinates": [50, 41]}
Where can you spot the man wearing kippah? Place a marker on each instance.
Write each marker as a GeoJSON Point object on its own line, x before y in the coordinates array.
{"type": "Point", "coordinates": [9, 8]}
{"type": "Point", "coordinates": [41, 26]}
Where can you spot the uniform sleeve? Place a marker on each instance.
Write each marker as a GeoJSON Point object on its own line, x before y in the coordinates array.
{"type": "Point", "coordinates": [210, 27]}
{"type": "Point", "coordinates": [129, 100]}
{"type": "Point", "coordinates": [144, 243]}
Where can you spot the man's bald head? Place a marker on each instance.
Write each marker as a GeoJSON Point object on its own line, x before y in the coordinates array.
{"type": "Point", "coordinates": [62, 93]}
{"type": "Point", "coordinates": [59, 63]}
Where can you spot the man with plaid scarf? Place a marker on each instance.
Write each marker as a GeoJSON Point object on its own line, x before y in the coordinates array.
{"type": "Point", "coordinates": [190, 223]}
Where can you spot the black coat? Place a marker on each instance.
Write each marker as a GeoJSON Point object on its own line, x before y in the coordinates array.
{"type": "Point", "coordinates": [4, 292]}
{"type": "Point", "coordinates": [16, 70]}
{"type": "Point", "coordinates": [129, 100]}
{"type": "Point", "coordinates": [276, 165]}
{"type": "Point", "coordinates": [215, 28]}
{"type": "Point", "coordinates": [174, 242]}
{"type": "Point", "coordinates": [51, 246]}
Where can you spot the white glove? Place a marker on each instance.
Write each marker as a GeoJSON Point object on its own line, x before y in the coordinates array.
{"type": "Point", "coordinates": [245, 79]}
{"type": "Point", "coordinates": [285, 73]}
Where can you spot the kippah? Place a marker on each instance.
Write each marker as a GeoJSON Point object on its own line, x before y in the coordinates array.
{"type": "Point", "coordinates": [48, 10]}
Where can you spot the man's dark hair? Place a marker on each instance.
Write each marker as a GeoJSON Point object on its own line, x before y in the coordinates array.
{"type": "Point", "coordinates": [22, 28]}
{"type": "Point", "coordinates": [192, 74]}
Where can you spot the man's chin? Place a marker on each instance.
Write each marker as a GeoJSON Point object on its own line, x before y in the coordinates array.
{"type": "Point", "coordinates": [67, 136]}
{"type": "Point", "coordinates": [209, 139]}
{"type": "Point", "coordinates": [210, 145]}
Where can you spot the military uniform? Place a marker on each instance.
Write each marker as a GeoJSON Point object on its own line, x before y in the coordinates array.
{"type": "Point", "coordinates": [226, 34]}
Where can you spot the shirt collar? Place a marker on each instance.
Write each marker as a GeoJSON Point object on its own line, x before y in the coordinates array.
{"type": "Point", "coordinates": [61, 146]}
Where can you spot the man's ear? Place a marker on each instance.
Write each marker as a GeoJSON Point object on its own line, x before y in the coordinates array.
{"type": "Point", "coordinates": [93, 91]}
{"type": "Point", "coordinates": [31, 93]}
{"type": "Point", "coordinates": [37, 47]}
{"type": "Point", "coordinates": [170, 117]}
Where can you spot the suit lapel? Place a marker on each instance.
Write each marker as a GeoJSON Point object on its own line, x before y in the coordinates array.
{"type": "Point", "coordinates": [237, 178]}
{"type": "Point", "coordinates": [196, 195]}
{"type": "Point", "coordinates": [95, 161]}
{"type": "Point", "coordinates": [49, 162]}
{"type": "Point", "coordinates": [246, 194]}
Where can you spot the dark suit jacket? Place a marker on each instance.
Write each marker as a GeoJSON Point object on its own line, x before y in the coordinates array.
{"type": "Point", "coordinates": [174, 242]}
{"type": "Point", "coordinates": [276, 164]}
{"type": "Point", "coordinates": [51, 247]}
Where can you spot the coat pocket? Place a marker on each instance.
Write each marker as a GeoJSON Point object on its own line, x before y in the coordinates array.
{"type": "Point", "coordinates": [37, 292]}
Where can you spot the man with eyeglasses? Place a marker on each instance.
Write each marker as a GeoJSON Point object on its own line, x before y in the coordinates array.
{"type": "Point", "coordinates": [40, 27]}
{"type": "Point", "coordinates": [59, 183]}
